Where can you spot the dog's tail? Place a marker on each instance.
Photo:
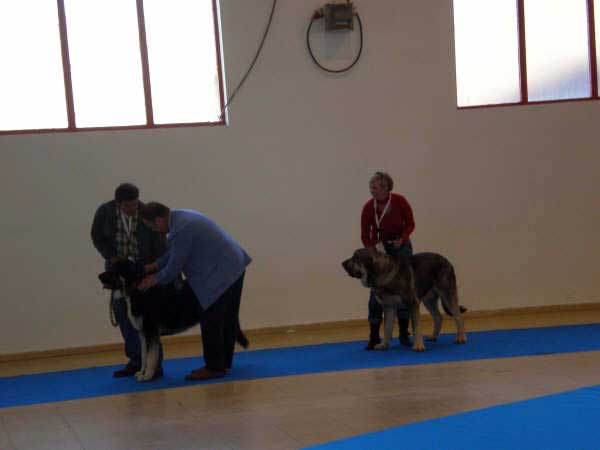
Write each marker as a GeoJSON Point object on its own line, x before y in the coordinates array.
{"type": "Point", "coordinates": [452, 292]}
{"type": "Point", "coordinates": [241, 338]}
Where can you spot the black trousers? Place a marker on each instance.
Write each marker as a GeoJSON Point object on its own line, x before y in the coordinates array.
{"type": "Point", "coordinates": [219, 325]}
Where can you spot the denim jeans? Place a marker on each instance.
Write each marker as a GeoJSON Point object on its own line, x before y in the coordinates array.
{"type": "Point", "coordinates": [375, 310]}
{"type": "Point", "coordinates": [130, 334]}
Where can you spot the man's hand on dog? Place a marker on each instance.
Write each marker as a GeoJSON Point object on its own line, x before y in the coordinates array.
{"type": "Point", "coordinates": [398, 242]}
{"type": "Point", "coordinates": [147, 283]}
{"type": "Point", "coordinates": [151, 268]}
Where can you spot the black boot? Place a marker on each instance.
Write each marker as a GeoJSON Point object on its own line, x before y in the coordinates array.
{"type": "Point", "coordinates": [374, 338]}
{"type": "Point", "coordinates": [128, 371]}
{"type": "Point", "coordinates": [404, 333]}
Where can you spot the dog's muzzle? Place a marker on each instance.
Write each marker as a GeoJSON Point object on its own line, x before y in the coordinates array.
{"type": "Point", "coordinates": [352, 268]}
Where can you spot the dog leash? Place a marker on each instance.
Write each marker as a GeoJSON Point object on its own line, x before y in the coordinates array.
{"type": "Point", "coordinates": [111, 311]}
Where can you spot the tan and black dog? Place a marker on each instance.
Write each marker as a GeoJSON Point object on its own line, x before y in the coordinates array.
{"type": "Point", "coordinates": [423, 278]}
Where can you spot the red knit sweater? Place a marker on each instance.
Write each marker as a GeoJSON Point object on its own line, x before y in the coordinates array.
{"type": "Point", "coordinates": [397, 222]}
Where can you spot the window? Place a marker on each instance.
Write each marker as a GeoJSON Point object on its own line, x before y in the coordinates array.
{"type": "Point", "coordinates": [32, 89]}
{"type": "Point", "coordinates": [525, 51]}
{"type": "Point", "coordinates": [72, 64]}
{"type": "Point", "coordinates": [487, 52]}
{"type": "Point", "coordinates": [557, 49]}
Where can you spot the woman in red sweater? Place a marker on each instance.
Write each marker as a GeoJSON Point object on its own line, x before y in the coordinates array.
{"type": "Point", "coordinates": [386, 218]}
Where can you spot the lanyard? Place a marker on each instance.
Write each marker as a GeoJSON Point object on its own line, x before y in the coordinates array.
{"type": "Point", "coordinates": [126, 224]}
{"type": "Point", "coordinates": [378, 219]}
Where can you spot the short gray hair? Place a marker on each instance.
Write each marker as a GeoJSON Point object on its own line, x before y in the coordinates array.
{"type": "Point", "coordinates": [383, 178]}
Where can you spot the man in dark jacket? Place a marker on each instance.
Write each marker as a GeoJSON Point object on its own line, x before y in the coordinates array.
{"type": "Point", "coordinates": [118, 232]}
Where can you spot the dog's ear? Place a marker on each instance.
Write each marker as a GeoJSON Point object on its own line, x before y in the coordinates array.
{"type": "Point", "coordinates": [367, 257]}
{"type": "Point", "coordinates": [368, 263]}
{"type": "Point", "coordinates": [104, 277]}
{"type": "Point", "coordinates": [129, 270]}
{"type": "Point", "coordinates": [110, 280]}
{"type": "Point", "coordinates": [375, 263]}
{"type": "Point", "coordinates": [384, 263]}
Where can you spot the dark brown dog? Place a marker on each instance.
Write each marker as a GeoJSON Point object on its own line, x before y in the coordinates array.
{"type": "Point", "coordinates": [424, 278]}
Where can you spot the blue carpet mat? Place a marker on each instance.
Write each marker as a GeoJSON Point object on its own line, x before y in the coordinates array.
{"type": "Point", "coordinates": [566, 421]}
{"type": "Point", "coordinates": [98, 381]}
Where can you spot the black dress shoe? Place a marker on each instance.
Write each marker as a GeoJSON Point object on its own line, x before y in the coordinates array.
{"type": "Point", "coordinates": [158, 374]}
{"type": "Point", "coordinates": [405, 340]}
{"type": "Point", "coordinates": [205, 374]}
{"type": "Point", "coordinates": [374, 338]}
{"type": "Point", "coordinates": [128, 371]}
{"type": "Point", "coordinates": [372, 343]}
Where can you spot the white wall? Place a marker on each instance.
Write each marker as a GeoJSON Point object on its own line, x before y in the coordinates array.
{"type": "Point", "coordinates": [509, 194]}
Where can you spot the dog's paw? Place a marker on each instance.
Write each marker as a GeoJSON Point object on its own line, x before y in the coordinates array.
{"type": "Point", "coordinates": [144, 376]}
{"type": "Point", "coordinates": [381, 346]}
{"type": "Point", "coordinates": [431, 338]}
{"type": "Point", "coordinates": [460, 340]}
{"type": "Point", "coordinates": [418, 347]}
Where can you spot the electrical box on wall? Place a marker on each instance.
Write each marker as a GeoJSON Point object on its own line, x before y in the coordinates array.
{"type": "Point", "coordinates": [339, 16]}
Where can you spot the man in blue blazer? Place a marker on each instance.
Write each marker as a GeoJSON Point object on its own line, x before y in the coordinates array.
{"type": "Point", "coordinates": [214, 265]}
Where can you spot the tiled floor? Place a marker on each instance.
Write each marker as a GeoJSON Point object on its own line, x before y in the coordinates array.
{"type": "Point", "coordinates": [296, 411]}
